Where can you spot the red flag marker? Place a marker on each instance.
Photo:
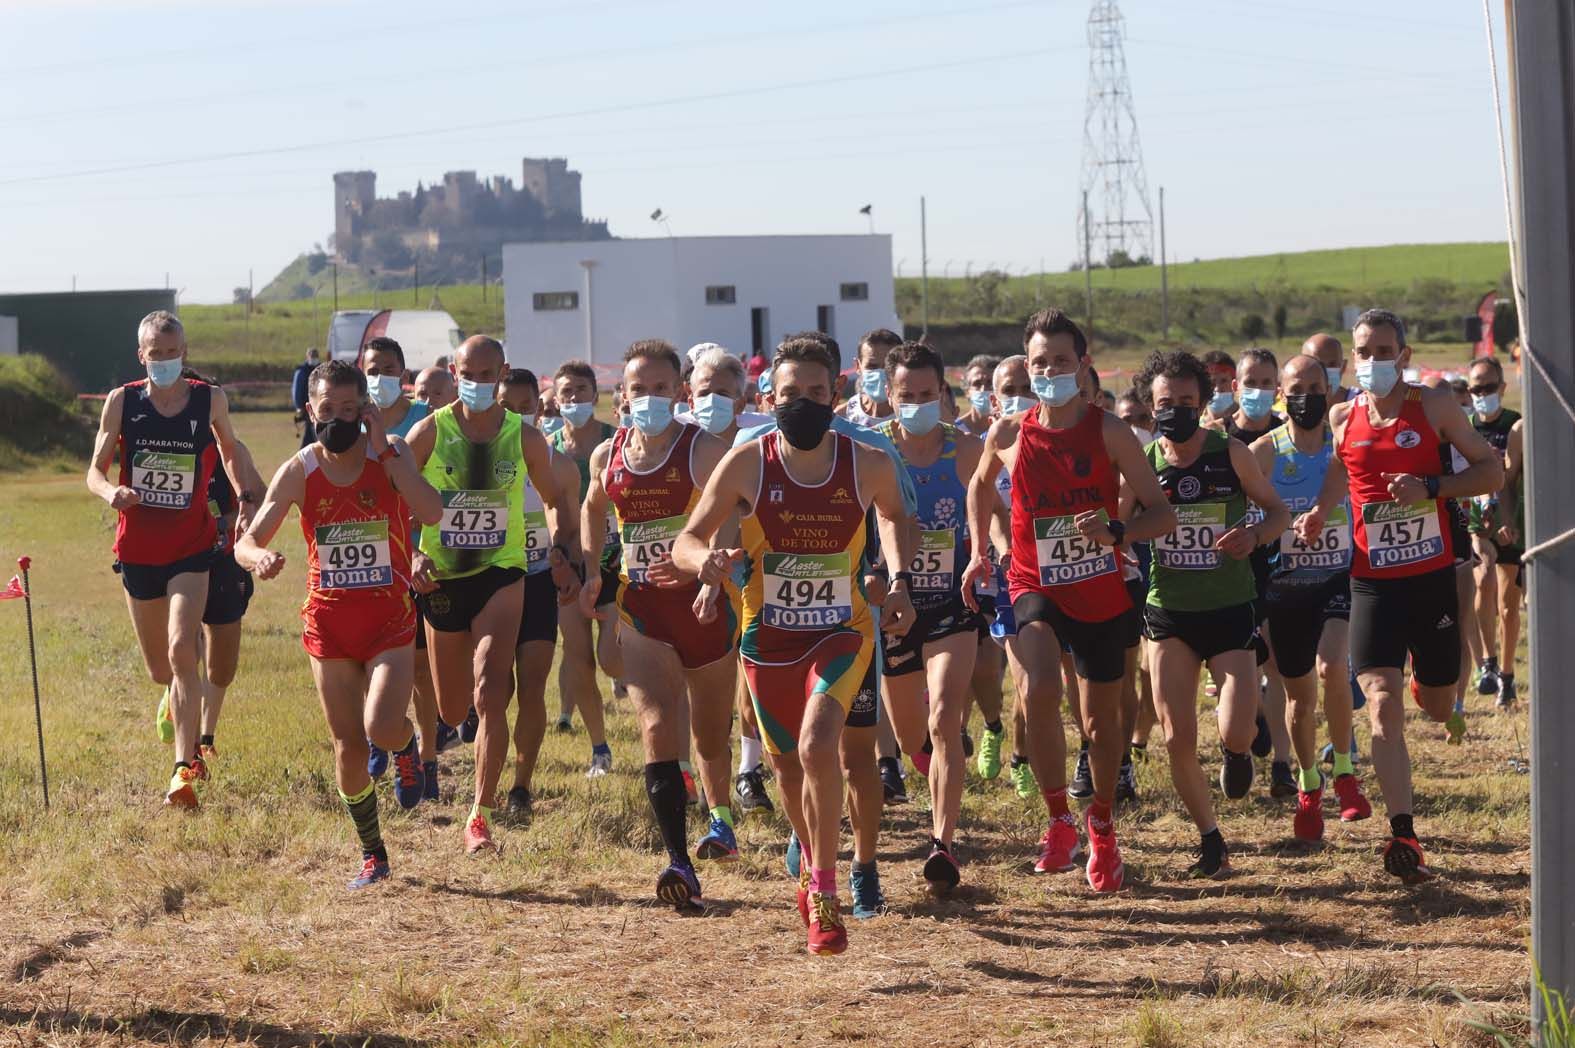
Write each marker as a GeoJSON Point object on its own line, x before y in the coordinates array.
{"type": "Point", "coordinates": [22, 587]}
{"type": "Point", "coordinates": [13, 590]}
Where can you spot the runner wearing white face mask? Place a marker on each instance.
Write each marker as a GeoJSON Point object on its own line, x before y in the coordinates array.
{"type": "Point", "coordinates": [873, 403]}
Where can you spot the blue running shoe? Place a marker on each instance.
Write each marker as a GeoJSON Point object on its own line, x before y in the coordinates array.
{"type": "Point", "coordinates": [447, 737]}
{"type": "Point", "coordinates": [409, 783]}
{"type": "Point", "coordinates": [373, 870]}
{"type": "Point", "coordinates": [467, 728]}
{"type": "Point", "coordinates": [429, 781]}
{"type": "Point", "coordinates": [376, 760]}
{"type": "Point", "coordinates": [718, 844]}
{"type": "Point", "coordinates": [795, 856]}
{"type": "Point", "coordinates": [679, 887]}
{"type": "Point", "coordinates": [867, 898]}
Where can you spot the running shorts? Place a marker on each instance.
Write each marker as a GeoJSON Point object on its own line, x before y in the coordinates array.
{"type": "Point", "coordinates": [836, 665]}
{"type": "Point", "coordinates": [865, 711]}
{"type": "Point", "coordinates": [1137, 589]}
{"type": "Point", "coordinates": [905, 654]}
{"type": "Point", "coordinates": [454, 605]}
{"type": "Point", "coordinates": [1004, 624]}
{"type": "Point", "coordinates": [1296, 626]}
{"type": "Point", "coordinates": [357, 630]}
{"type": "Point", "coordinates": [421, 624]}
{"type": "Point", "coordinates": [540, 620]}
{"type": "Point", "coordinates": [1207, 633]}
{"type": "Point", "coordinates": [1418, 615]}
{"type": "Point", "coordinates": [152, 581]}
{"type": "Point", "coordinates": [611, 580]}
{"type": "Point", "coordinates": [1098, 649]}
{"type": "Point", "coordinates": [667, 616]}
{"type": "Point", "coordinates": [229, 591]}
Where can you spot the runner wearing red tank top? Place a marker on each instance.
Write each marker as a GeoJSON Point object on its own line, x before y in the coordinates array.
{"type": "Point", "coordinates": [1403, 597]}
{"type": "Point", "coordinates": [171, 433]}
{"type": "Point", "coordinates": [1067, 460]}
{"type": "Point", "coordinates": [356, 492]}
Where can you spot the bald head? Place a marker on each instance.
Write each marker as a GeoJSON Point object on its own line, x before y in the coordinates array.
{"type": "Point", "coordinates": [480, 351]}
{"type": "Point", "coordinates": [1326, 349]}
{"type": "Point", "coordinates": [1303, 374]}
{"type": "Point", "coordinates": [436, 387]}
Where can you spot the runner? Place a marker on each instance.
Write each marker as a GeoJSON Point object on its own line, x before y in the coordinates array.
{"type": "Point", "coordinates": [808, 642]}
{"type": "Point", "coordinates": [1067, 459]}
{"type": "Point", "coordinates": [1308, 597]}
{"type": "Point", "coordinates": [574, 384]}
{"type": "Point", "coordinates": [872, 405]}
{"type": "Point", "coordinates": [650, 476]}
{"type": "Point", "coordinates": [1466, 561]}
{"type": "Point", "coordinates": [937, 654]}
{"type": "Point", "coordinates": [1201, 589]}
{"type": "Point", "coordinates": [1403, 599]}
{"type": "Point", "coordinates": [1496, 534]}
{"type": "Point", "coordinates": [469, 570]}
{"type": "Point", "coordinates": [1221, 367]}
{"type": "Point", "coordinates": [1137, 696]}
{"type": "Point", "coordinates": [356, 492]}
{"type": "Point", "coordinates": [538, 636]}
{"type": "Point", "coordinates": [170, 434]}
{"type": "Point", "coordinates": [1326, 349]}
{"type": "Point", "coordinates": [435, 388]}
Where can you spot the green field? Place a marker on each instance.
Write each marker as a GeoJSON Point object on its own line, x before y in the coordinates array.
{"type": "Point", "coordinates": [127, 923]}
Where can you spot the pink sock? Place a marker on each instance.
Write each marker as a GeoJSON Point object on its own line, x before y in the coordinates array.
{"type": "Point", "coordinates": [823, 881]}
{"type": "Point", "coordinates": [804, 856]}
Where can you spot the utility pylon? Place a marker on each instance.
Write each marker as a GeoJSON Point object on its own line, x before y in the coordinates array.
{"type": "Point", "coordinates": [1117, 215]}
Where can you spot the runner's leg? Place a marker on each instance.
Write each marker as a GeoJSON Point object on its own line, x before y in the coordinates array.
{"type": "Point", "coordinates": [818, 742]}
{"type": "Point", "coordinates": [1471, 637]}
{"type": "Point", "coordinates": [150, 622]}
{"type": "Point", "coordinates": [1236, 672]}
{"type": "Point", "coordinates": [1508, 615]}
{"type": "Point", "coordinates": [532, 663]}
{"type": "Point", "coordinates": [948, 667]}
{"type": "Point", "coordinates": [386, 716]}
{"type": "Point", "coordinates": [341, 687]}
{"type": "Point", "coordinates": [1036, 651]}
{"type": "Point", "coordinates": [656, 687]}
{"type": "Point", "coordinates": [1176, 668]}
{"type": "Point", "coordinates": [858, 751]}
{"type": "Point", "coordinates": [188, 596]}
{"type": "Point", "coordinates": [711, 691]}
{"type": "Point", "coordinates": [1273, 704]}
{"type": "Point", "coordinates": [577, 671]}
{"type": "Point", "coordinates": [423, 697]}
{"type": "Point", "coordinates": [1106, 741]}
{"type": "Point", "coordinates": [221, 659]}
{"type": "Point", "coordinates": [1486, 574]}
{"type": "Point", "coordinates": [1386, 713]}
{"type": "Point", "coordinates": [495, 629]}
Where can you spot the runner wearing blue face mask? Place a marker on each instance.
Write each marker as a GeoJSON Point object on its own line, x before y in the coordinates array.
{"type": "Point", "coordinates": [872, 405]}
{"type": "Point", "coordinates": [977, 378]}
{"type": "Point", "coordinates": [1221, 367]}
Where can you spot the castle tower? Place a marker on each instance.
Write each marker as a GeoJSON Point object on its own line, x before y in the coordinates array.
{"type": "Point", "coordinates": [354, 194]}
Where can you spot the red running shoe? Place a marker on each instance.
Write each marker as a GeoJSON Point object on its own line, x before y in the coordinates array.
{"type": "Point", "coordinates": [1058, 848]}
{"type": "Point", "coordinates": [1307, 823]}
{"type": "Point", "coordinates": [827, 935]}
{"type": "Point", "coordinates": [1353, 806]}
{"type": "Point", "coordinates": [1105, 870]}
{"type": "Point", "coordinates": [1403, 859]}
{"type": "Point", "coordinates": [199, 768]}
{"type": "Point", "coordinates": [478, 836]}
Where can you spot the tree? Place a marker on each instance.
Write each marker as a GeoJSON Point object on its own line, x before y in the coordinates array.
{"type": "Point", "coordinates": [1281, 320]}
{"type": "Point", "coordinates": [242, 296]}
{"type": "Point", "coordinates": [1252, 327]}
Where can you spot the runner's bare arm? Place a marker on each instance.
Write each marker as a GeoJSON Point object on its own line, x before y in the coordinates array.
{"type": "Point", "coordinates": [224, 436]}
{"type": "Point", "coordinates": [1336, 485]}
{"type": "Point", "coordinates": [1152, 514]}
{"type": "Point", "coordinates": [1263, 453]}
{"type": "Point", "coordinates": [727, 493]}
{"type": "Point", "coordinates": [879, 488]}
{"type": "Point", "coordinates": [1514, 465]}
{"type": "Point", "coordinates": [118, 496]}
{"type": "Point", "coordinates": [1484, 473]}
{"type": "Point", "coordinates": [983, 501]}
{"type": "Point", "coordinates": [593, 527]}
{"type": "Point", "coordinates": [287, 489]}
{"type": "Point", "coordinates": [1256, 486]}
{"type": "Point", "coordinates": [564, 519]}
{"type": "Point", "coordinates": [421, 439]}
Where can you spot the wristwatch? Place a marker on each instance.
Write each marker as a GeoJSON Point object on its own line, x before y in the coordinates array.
{"type": "Point", "coordinates": [904, 577]}
{"type": "Point", "coordinates": [390, 450]}
{"type": "Point", "coordinates": [1118, 530]}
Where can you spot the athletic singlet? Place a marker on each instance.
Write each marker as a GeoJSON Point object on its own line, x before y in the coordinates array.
{"type": "Point", "coordinates": [1393, 540]}
{"type": "Point", "coordinates": [943, 550]}
{"type": "Point", "coordinates": [1059, 474]}
{"type": "Point", "coordinates": [1247, 436]}
{"type": "Point", "coordinates": [357, 547]}
{"type": "Point", "coordinates": [1189, 574]}
{"type": "Point", "coordinates": [650, 508]}
{"type": "Point", "coordinates": [610, 553]}
{"type": "Point", "coordinates": [804, 543]}
{"type": "Point", "coordinates": [854, 412]}
{"type": "Point", "coordinates": [1496, 432]}
{"type": "Point", "coordinates": [168, 460]}
{"type": "Point", "coordinates": [419, 409]}
{"type": "Point", "coordinates": [1298, 478]}
{"type": "Point", "coordinates": [483, 490]}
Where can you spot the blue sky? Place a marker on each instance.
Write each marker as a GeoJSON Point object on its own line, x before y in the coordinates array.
{"type": "Point", "coordinates": [198, 139]}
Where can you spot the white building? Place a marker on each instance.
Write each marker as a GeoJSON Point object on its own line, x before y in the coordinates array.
{"type": "Point", "coordinates": [591, 299]}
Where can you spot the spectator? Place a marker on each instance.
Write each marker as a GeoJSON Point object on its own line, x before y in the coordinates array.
{"type": "Point", "coordinates": [298, 384]}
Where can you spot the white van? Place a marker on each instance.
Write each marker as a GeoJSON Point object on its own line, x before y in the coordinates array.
{"type": "Point", "coordinates": [424, 334]}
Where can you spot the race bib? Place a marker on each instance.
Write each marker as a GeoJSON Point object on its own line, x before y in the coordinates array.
{"type": "Point", "coordinates": [646, 543]}
{"type": "Point", "coordinates": [353, 555]}
{"type": "Point", "coordinates": [1190, 547]}
{"type": "Point", "coordinates": [806, 591]}
{"type": "Point", "coordinates": [1398, 534]}
{"type": "Point", "coordinates": [163, 480]}
{"type": "Point", "coordinates": [1330, 551]}
{"type": "Point", "coordinates": [1065, 556]}
{"type": "Point", "coordinates": [474, 519]}
{"type": "Point", "coordinates": [935, 565]}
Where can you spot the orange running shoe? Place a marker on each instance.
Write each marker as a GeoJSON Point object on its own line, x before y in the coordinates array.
{"type": "Point", "coordinates": [478, 836]}
{"type": "Point", "coordinates": [1106, 872]}
{"type": "Point", "coordinates": [1403, 859]}
{"type": "Point", "coordinates": [182, 794]}
{"type": "Point", "coordinates": [827, 935]}
{"type": "Point", "coordinates": [199, 768]}
{"type": "Point", "coordinates": [803, 894]}
{"type": "Point", "coordinates": [1058, 848]}
{"type": "Point", "coordinates": [1353, 806]}
{"type": "Point", "coordinates": [1307, 823]}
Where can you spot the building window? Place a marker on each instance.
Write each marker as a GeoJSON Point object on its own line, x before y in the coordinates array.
{"type": "Point", "coordinates": [859, 292]}
{"type": "Point", "coordinates": [555, 300]}
{"type": "Point", "coordinates": [721, 295]}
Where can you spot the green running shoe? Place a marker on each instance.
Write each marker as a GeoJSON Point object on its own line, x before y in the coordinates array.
{"type": "Point", "coordinates": [161, 719]}
{"type": "Point", "coordinates": [990, 754]}
{"type": "Point", "coordinates": [1023, 778]}
{"type": "Point", "coordinates": [1456, 727]}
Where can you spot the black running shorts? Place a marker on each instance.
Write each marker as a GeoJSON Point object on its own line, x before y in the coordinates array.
{"type": "Point", "coordinates": [229, 591]}
{"type": "Point", "coordinates": [152, 581]}
{"type": "Point", "coordinates": [540, 621]}
{"type": "Point", "coordinates": [905, 654]}
{"type": "Point", "coordinates": [456, 602]}
{"type": "Point", "coordinates": [1417, 616]}
{"type": "Point", "coordinates": [1296, 625]}
{"type": "Point", "coordinates": [865, 711]}
{"type": "Point", "coordinates": [1207, 633]}
{"type": "Point", "coordinates": [1099, 649]}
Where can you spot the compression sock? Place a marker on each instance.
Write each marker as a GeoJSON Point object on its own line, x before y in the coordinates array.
{"type": "Point", "coordinates": [1100, 816]}
{"type": "Point", "coordinates": [363, 812]}
{"type": "Point", "coordinates": [749, 754]}
{"type": "Point", "coordinates": [664, 787]}
{"type": "Point", "coordinates": [823, 881]}
{"type": "Point", "coordinates": [1400, 826]}
{"type": "Point", "coordinates": [602, 748]}
{"type": "Point", "coordinates": [1342, 763]}
{"type": "Point", "coordinates": [1055, 800]}
{"type": "Point", "coordinates": [1310, 779]}
{"type": "Point", "coordinates": [723, 812]}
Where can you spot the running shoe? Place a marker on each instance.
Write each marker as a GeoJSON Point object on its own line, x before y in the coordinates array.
{"type": "Point", "coordinates": [793, 857]}
{"type": "Point", "coordinates": [447, 737]}
{"type": "Point", "coordinates": [827, 934]}
{"type": "Point", "coordinates": [565, 725]}
{"type": "Point", "coordinates": [373, 870]}
{"type": "Point", "coordinates": [1236, 774]}
{"type": "Point", "coordinates": [1082, 784]}
{"type": "Point", "coordinates": [199, 769]}
{"type": "Point", "coordinates": [802, 897]}
{"type": "Point", "coordinates": [990, 754]}
{"type": "Point", "coordinates": [409, 783]}
{"type": "Point", "coordinates": [1263, 742]}
{"type": "Point", "coordinates": [718, 844]}
{"type": "Point", "coordinates": [1487, 677]}
{"type": "Point", "coordinates": [1353, 806]}
{"type": "Point", "coordinates": [182, 794]}
{"type": "Point", "coordinates": [478, 836]}
{"type": "Point", "coordinates": [1403, 859]}
{"type": "Point", "coordinates": [601, 764]}
{"type": "Point", "coordinates": [429, 780]}
{"type": "Point", "coordinates": [1106, 872]}
{"type": "Point", "coordinates": [1023, 777]}
{"type": "Point", "coordinates": [1307, 823]}
{"type": "Point", "coordinates": [1281, 782]}
{"type": "Point", "coordinates": [868, 901]}
{"type": "Point", "coordinates": [941, 872]}
{"type": "Point", "coordinates": [967, 744]}
{"type": "Point", "coordinates": [1213, 859]}
{"type": "Point", "coordinates": [921, 763]}
{"type": "Point", "coordinates": [1126, 785]}
{"type": "Point", "coordinates": [161, 719]}
{"type": "Point", "coordinates": [1506, 692]}
{"type": "Point", "coordinates": [468, 727]}
{"type": "Point", "coordinates": [691, 792]}
{"type": "Point", "coordinates": [750, 792]}
{"type": "Point", "coordinates": [519, 804]}
{"type": "Point", "coordinates": [1058, 848]}
{"type": "Point", "coordinates": [376, 760]}
{"type": "Point", "coordinates": [891, 783]}
{"type": "Point", "coordinates": [679, 887]}
{"type": "Point", "coordinates": [1455, 730]}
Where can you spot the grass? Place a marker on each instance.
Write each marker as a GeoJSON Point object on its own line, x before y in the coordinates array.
{"type": "Point", "coordinates": [125, 922]}
{"type": "Point", "coordinates": [40, 427]}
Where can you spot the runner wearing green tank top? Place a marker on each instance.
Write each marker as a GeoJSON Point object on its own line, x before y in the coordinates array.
{"type": "Point", "coordinates": [1201, 588]}
{"type": "Point", "coordinates": [574, 384]}
{"type": "Point", "coordinates": [469, 573]}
